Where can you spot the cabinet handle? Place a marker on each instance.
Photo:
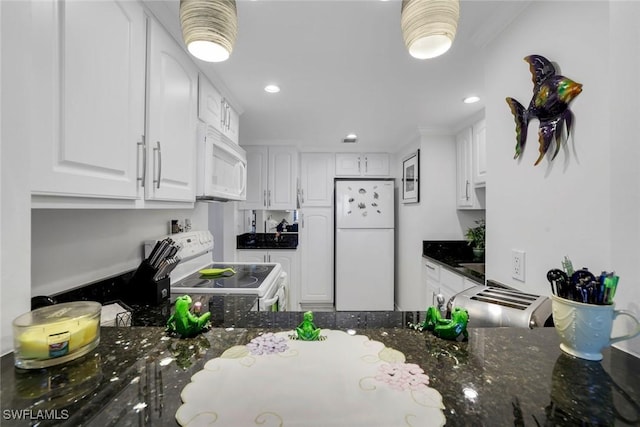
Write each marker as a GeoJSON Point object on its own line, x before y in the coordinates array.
{"type": "Point", "coordinates": [269, 196]}
{"type": "Point", "coordinates": [366, 164]}
{"type": "Point", "coordinates": [228, 117]}
{"type": "Point", "coordinates": [430, 267]}
{"type": "Point", "coordinates": [466, 190]}
{"type": "Point", "coordinates": [143, 144]}
{"type": "Point", "coordinates": [223, 115]}
{"type": "Point", "coordinates": [159, 150]}
{"type": "Point", "coordinates": [302, 194]}
{"type": "Point", "coordinates": [359, 171]}
{"type": "Point", "coordinates": [264, 198]}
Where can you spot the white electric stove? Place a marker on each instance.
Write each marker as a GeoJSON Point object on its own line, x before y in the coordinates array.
{"type": "Point", "coordinates": [265, 280]}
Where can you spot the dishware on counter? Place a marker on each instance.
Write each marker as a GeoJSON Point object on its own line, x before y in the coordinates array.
{"type": "Point", "coordinates": [585, 329]}
{"type": "Point", "coordinates": [56, 334]}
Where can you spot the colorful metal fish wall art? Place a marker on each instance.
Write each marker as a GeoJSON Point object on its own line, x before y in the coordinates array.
{"type": "Point", "coordinates": [550, 105]}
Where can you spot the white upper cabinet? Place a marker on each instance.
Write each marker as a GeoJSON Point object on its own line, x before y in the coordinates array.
{"type": "Point", "coordinates": [89, 64]}
{"type": "Point", "coordinates": [316, 179]}
{"type": "Point", "coordinates": [362, 164]}
{"type": "Point", "coordinates": [171, 120]}
{"type": "Point", "coordinates": [466, 193]}
{"type": "Point", "coordinates": [231, 127]}
{"type": "Point", "coordinates": [209, 103]}
{"type": "Point", "coordinates": [216, 111]}
{"type": "Point", "coordinates": [271, 178]}
{"type": "Point", "coordinates": [479, 135]}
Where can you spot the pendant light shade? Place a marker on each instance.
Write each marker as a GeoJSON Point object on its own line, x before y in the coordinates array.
{"type": "Point", "coordinates": [209, 28]}
{"type": "Point", "coordinates": [429, 26]}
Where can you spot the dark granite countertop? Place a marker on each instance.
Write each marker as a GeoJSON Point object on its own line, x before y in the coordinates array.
{"type": "Point", "coordinates": [451, 254]}
{"type": "Point", "coordinates": [500, 376]}
{"type": "Point", "coordinates": [267, 241]}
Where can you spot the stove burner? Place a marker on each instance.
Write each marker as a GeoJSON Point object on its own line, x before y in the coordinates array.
{"type": "Point", "coordinates": [247, 276]}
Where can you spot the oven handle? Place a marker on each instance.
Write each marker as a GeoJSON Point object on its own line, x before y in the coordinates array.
{"type": "Point", "coordinates": [283, 282]}
{"type": "Point", "coordinates": [270, 301]}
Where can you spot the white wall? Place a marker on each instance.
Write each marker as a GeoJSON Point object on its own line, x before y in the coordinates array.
{"type": "Point", "coordinates": [73, 247]}
{"type": "Point", "coordinates": [435, 217]}
{"type": "Point", "coordinates": [585, 203]}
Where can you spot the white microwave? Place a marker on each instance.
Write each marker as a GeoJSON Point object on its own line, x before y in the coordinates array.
{"type": "Point", "coordinates": [221, 167]}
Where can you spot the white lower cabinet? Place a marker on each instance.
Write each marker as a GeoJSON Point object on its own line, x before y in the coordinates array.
{"type": "Point", "coordinates": [316, 240]}
{"type": "Point", "coordinates": [431, 280]}
{"type": "Point", "coordinates": [287, 258]}
{"type": "Point", "coordinates": [440, 280]}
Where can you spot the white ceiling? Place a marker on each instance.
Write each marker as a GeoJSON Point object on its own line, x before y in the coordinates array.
{"type": "Point", "coordinates": [343, 67]}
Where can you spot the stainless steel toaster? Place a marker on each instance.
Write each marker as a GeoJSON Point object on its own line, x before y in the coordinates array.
{"type": "Point", "coordinates": [491, 306]}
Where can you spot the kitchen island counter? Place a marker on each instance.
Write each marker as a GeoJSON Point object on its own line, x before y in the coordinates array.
{"type": "Point", "coordinates": [500, 376]}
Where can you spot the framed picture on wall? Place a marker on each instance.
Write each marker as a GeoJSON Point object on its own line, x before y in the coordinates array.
{"type": "Point", "coordinates": [411, 178]}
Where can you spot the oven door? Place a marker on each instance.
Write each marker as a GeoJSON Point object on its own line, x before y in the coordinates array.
{"type": "Point", "coordinates": [222, 167]}
{"type": "Point", "coordinates": [277, 297]}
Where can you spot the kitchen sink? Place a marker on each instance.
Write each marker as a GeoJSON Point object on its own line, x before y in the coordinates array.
{"type": "Point", "coordinates": [478, 267]}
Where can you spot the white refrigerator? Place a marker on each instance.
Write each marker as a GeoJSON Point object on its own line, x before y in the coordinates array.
{"type": "Point", "coordinates": [364, 245]}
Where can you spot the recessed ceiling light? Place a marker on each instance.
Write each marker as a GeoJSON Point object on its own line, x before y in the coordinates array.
{"type": "Point", "coordinates": [272, 88]}
{"type": "Point", "coordinates": [471, 99]}
{"type": "Point", "coordinates": [350, 139]}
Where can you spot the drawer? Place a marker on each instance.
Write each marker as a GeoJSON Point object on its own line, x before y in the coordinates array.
{"type": "Point", "coordinates": [432, 269]}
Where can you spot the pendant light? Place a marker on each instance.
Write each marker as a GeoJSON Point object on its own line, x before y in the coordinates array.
{"type": "Point", "coordinates": [209, 28]}
{"type": "Point", "coordinates": [429, 26]}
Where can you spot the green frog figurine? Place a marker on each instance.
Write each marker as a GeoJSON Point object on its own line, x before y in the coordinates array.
{"type": "Point", "coordinates": [449, 329]}
{"type": "Point", "coordinates": [185, 323]}
{"type": "Point", "coordinates": [307, 330]}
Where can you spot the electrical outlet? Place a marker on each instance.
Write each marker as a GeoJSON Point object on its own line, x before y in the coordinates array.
{"type": "Point", "coordinates": [517, 264]}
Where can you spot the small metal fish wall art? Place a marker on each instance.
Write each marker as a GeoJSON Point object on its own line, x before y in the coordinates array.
{"type": "Point", "coordinates": [550, 105]}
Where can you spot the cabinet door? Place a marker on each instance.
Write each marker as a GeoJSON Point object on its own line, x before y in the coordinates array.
{"type": "Point", "coordinates": [431, 279]}
{"type": "Point", "coordinates": [171, 119]}
{"type": "Point", "coordinates": [450, 284]}
{"type": "Point", "coordinates": [210, 108]}
{"type": "Point", "coordinates": [257, 164]}
{"type": "Point", "coordinates": [348, 164]}
{"type": "Point", "coordinates": [289, 261]}
{"type": "Point", "coordinates": [465, 190]}
{"type": "Point", "coordinates": [90, 87]}
{"type": "Point", "coordinates": [283, 173]}
{"type": "Point", "coordinates": [316, 179]}
{"type": "Point", "coordinates": [316, 252]}
{"type": "Point", "coordinates": [480, 154]}
{"type": "Point", "coordinates": [376, 164]}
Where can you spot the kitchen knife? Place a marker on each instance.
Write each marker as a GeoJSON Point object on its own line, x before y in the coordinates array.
{"type": "Point", "coordinates": [154, 251]}
{"type": "Point", "coordinates": [159, 255]}
{"type": "Point", "coordinates": [155, 257]}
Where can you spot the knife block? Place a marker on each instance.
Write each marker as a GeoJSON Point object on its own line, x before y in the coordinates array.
{"type": "Point", "coordinates": [145, 290]}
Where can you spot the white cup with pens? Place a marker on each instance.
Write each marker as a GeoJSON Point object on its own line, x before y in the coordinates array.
{"type": "Point", "coordinates": [585, 329]}
{"type": "Point", "coordinates": [583, 312]}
